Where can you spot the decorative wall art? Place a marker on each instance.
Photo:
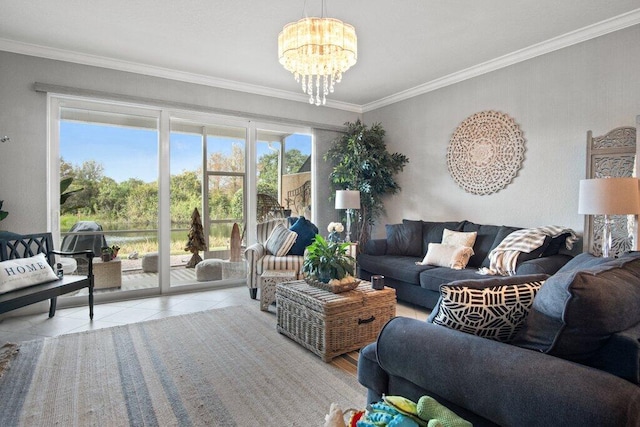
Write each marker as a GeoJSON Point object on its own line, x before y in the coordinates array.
{"type": "Point", "coordinates": [612, 154]}
{"type": "Point", "coordinates": [485, 152]}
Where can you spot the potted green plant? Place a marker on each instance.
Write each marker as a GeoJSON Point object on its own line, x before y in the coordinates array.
{"type": "Point", "coordinates": [328, 262]}
{"type": "Point", "coordinates": [107, 253]}
{"type": "Point", "coordinates": [361, 162]}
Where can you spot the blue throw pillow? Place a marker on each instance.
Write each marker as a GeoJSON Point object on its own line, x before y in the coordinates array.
{"type": "Point", "coordinates": [306, 232]}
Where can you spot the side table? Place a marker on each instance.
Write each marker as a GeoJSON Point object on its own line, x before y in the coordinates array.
{"type": "Point", "coordinates": [268, 281]}
{"type": "Point", "coordinates": [107, 274]}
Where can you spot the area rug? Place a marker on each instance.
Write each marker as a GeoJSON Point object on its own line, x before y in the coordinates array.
{"type": "Point", "coordinates": [223, 367]}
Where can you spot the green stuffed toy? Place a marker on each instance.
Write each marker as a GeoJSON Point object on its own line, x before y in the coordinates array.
{"type": "Point", "coordinates": [397, 411]}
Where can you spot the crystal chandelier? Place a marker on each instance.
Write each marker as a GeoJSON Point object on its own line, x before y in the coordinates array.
{"type": "Point", "coordinates": [317, 51]}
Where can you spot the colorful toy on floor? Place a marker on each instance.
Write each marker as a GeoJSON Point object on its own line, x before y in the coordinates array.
{"type": "Point", "coordinates": [397, 411]}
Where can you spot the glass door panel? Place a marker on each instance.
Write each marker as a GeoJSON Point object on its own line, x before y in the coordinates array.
{"type": "Point", "coordinates": [283, 162]}
{"type": "Point", "coordinates": [226, 189]}
{"type": "Point", "coordinates": [206, 159]}
{"type": "Point", "coordinates": [185, 175]}
{"type": "Point", "coordinates": [109, 201]}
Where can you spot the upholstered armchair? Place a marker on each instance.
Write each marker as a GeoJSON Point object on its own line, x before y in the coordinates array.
{"type": "Point", "coordinates": [259, 259]}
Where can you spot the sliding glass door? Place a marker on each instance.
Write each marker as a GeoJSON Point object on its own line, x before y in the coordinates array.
{"type": "Point", "coordinates": [167, 200]}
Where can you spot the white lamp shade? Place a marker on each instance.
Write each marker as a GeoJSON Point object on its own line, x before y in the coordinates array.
{"type": "Point", "coordinates": [609, 196]}
{"type": "Point", "coordinates": [347, 199]}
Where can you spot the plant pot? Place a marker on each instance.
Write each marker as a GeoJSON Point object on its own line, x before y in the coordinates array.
{"type": "Point", "coordinates": [106, 257]}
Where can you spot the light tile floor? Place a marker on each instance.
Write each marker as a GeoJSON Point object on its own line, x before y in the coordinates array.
{"type": "Point", "coordinates": [69, 320]}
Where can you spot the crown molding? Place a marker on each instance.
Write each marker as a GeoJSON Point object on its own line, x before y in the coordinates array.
{"type": "Point", "coordinates": [166, 73]}
{"type": "Point", "coordinates": [616, 23]}
{"type": "Point", "coordinates": [574, 37]}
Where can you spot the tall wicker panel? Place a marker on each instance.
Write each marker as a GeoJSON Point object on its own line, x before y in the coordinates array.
{"type": "Point", "coordinates": [331, 324]}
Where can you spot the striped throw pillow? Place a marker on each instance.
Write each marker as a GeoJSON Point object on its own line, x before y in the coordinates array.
{"type": "Point", "coordinates": [280, 240]}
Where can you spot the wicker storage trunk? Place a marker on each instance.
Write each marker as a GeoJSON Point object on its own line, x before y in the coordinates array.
{"type": "Point", "coordinates": [331, 324]}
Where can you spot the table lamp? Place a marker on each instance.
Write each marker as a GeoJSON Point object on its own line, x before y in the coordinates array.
{"type": "Point", "coordinates": [349, 200]}
{"type": "Point", "coordinates": [609, 196]}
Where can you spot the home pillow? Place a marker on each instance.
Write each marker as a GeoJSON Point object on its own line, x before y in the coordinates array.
{"type": "Point", "coordinates": [458, 238]}
{"type": "Point", "coordinates": [306, 231]}
{"type": "Point", "coordinates": [404, 239]}
{"type": "Point", "coordinates": [579, 309]}
{"type": "Point", "coordinates": [455, 257]}
{"type": "Point", "coordinates": [23, 272]}
{"type": "Point", "coordinates": [496, 312]}
{"type": "Point", "coordinates": [280, 240]}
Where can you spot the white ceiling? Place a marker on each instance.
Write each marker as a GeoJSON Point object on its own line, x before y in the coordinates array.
{"type": "Point", "coordinates": [404, 47]}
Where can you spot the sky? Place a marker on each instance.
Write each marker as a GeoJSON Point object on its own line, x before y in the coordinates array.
{"type": "Point", "coordinates": [126, 152]}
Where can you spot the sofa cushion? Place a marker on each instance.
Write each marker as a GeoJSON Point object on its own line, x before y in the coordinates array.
{"type": "Point", "coordinates": [556, 244]}
{"type": "Point", "coordinates": [404, 239]}
{"type": "Point", "coordinates": [306, 231]}
{"type": "Point", "coordinates": [398, 267]}
{"type": "Point", "coordinates": [583, 261]}
{"type": "Point", "coordinates": [441, 255]}
{"type": "Point", "coordinates": [280, 240]}
{"type": "Point", "coordinates": [485, 241]}
{"type": "Point", "coordinates": [432, 232]}
{"type": "Point", "coordinates": [502, 232]}
{"type": "Point", "coordinates": [432, 278]}
{"type": "Point", "coordinates": [496, 312]}
{"type": "Point", "coordinates": [578, 309]}
{"type": "Point", "coordinates": [22, 272]}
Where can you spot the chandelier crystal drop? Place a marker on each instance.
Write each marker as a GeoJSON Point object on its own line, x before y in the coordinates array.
{"type": "Point", "coordinates": [317, 51]}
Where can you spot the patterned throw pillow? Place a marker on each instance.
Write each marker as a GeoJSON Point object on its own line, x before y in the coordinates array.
{"type": "Point", "coordinates": [459, 238]}
{"type": "Point", "coordinates": [280, 240]}
{"type": "Point", "coordinates": [496, 313]}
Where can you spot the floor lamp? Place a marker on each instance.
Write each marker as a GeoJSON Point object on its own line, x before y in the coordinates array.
{"type": "Point", "coordinates": [349, 200]}
{"type": "Point", "coordinates": [609, 196]}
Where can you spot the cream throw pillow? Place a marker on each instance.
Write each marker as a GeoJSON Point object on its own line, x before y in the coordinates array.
{"type": "Point", "coordinates": [455, 257]}
{"type": "Point", "coordinates": [458, 238]}
{"type": "Point", "coordinates": [23, 272]}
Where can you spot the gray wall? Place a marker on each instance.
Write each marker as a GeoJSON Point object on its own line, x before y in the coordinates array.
{"type": "Point", "coordinates": [555, 98]}
{"type": "Point", "coordinates": [23, 117]}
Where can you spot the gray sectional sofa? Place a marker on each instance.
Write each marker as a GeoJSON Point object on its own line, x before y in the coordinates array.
{"type": "Point", "coordinates": [395, 257]}
{"type": "Point", "coordinates": [574, 362]}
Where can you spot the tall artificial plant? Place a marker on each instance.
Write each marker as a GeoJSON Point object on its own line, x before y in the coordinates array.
{"type": "Point", "coordinates": [361, 162]}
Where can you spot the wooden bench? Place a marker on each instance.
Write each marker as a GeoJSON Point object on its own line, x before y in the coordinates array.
{"type": "Point", "coordinates": [28, 245]}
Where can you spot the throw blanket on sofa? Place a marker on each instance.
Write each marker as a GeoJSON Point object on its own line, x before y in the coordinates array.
{"type": "Point", "coordinates": [504, 257]}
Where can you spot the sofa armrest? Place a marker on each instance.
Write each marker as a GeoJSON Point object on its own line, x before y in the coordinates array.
{"type": "Point", "coordinates": [505, 384]}
{"type": "Point", "coordinates": [375, 247]}
{"type": "Point", "coordinates": [547, 265]}
{"type": "Point", "coordinates": [252, 254]}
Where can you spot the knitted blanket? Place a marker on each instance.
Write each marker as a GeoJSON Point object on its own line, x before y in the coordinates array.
{"type": "Point", "coordinates": [504, 258]}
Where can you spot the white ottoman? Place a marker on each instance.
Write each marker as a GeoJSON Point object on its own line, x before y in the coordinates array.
{"type": "Point", "coordinates": [234, 270]}
{"type": "Point", "coordinates": [209, 269]}
{"type": "Point", "coordinates": [150, 262]}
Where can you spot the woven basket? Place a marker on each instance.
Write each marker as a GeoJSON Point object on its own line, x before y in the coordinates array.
{"type": "Point", "coordinates": [331, 324]}
{"type": "Point", "coordinates": [336, 289]}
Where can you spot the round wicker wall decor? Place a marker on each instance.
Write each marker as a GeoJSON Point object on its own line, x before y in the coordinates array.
{"type": "Point", "coordinates": [485, 152]}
